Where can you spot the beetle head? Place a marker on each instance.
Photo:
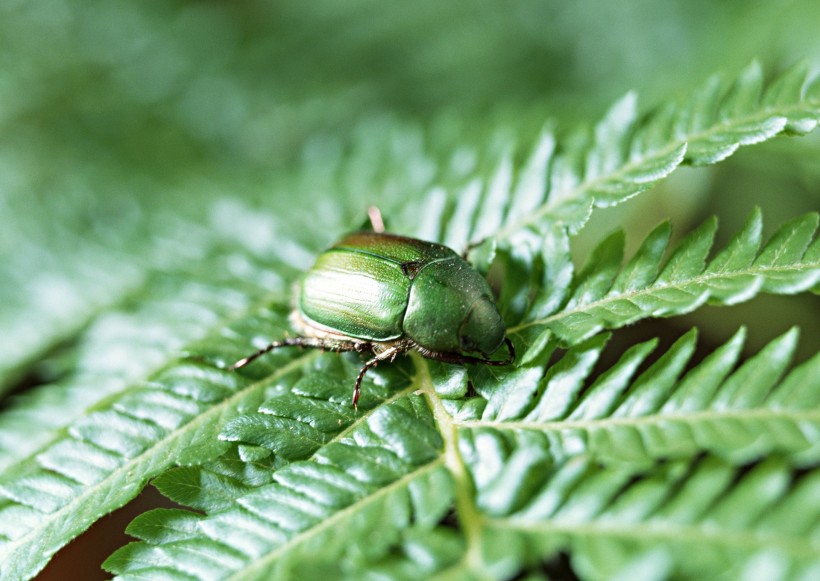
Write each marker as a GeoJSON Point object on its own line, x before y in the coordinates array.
{"type": "Point", "coordinates": [482, 328]}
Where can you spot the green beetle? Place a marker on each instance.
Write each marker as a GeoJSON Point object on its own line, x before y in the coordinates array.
{"type": "Point", "coordinates": [389, 294]}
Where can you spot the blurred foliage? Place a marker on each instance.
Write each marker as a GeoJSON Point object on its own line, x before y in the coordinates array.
{"type": "Point", "coordinates": [109, 108]}
{"type": "Point", "coordinates": [169, 91]}
{"type": "Point", "coordinates": [138, 139]}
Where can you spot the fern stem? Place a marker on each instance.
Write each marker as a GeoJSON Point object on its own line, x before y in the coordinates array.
{"type": "Point", "coordinates": [470, 518]}
{"type": "Point", "coordinates": [652, 532]}
{"type": "Point", "coordinates": [681, 143]}
{"type": "Point", "coordinates": [637, 421]}
{"type": "Point", "coordinates": [555, 201]}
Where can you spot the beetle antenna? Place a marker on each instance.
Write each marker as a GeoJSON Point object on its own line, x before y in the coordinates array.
{"type": "Point", "coordinates": [290, 342]}
{"type": "Point", "coordinates": [376, 221]}
{"type": "Point", "coordinates": [315, 342]}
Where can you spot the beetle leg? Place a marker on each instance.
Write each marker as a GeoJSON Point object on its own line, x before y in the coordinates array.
{"type": "Point", "coordinates": [357, 388]}
{"type": "Point", "coordinates": [298, 342]}
{"type": "Point", "coordinates": [390, 354]}
{"type": "Point", "coordinates": [470, 246]}
{"type": "Point", "coordinates": [510, 350]}
{"type": "Point", "coordinates": [458, 358]}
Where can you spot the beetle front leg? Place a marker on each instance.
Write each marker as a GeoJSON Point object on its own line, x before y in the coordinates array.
{"type": "Point", "coordinates": [460, 359]}
{"type": "Point", "coordinates": [471, 246]}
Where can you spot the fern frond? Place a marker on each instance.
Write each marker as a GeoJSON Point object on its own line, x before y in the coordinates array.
{"type": "Point", "coordinates": [607, 295]}
{"type": "Point", "coordinates": [78, 449]}
{"type": "Point", "coordinates": [289, 478]}
{"type": "Point", "coordinates": [104, 460]}
{"type": "Point", "coordinates": [619, 419]}
{"type": "Point", "coordinates": [392, 469]}
{"type": "Point", "coordinates": [627, 153]}
{"type": "Point", "coordinates": [126, 344]}
{"type": "Point", "coordinates": [692, 518]}
{"type": "Point", "coordinates": [382, 476]}
{"type": "Point", "coordinates": [47, 297]}
{"type": "Point", "coordinates": [91, 463]}
{"type": "Point", "coordinates": [665, 411]}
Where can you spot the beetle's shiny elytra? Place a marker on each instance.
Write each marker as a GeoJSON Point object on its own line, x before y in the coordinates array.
{"type": "Point", "coordinates": [389, 294]}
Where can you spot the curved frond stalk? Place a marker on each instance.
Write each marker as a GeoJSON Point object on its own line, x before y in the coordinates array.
{"type": "Point", "coordinates": [666, 411]}
{"type": "Point", "coordinates": [125, 345]}
{"type": "Point", "coordinates": [49, 299]}
{"type": "Point", "coordinates": [106, 458]}
{"type": "Point", "coordinates": [54, 284]}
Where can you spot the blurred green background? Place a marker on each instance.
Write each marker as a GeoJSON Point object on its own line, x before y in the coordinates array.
{"type": "Point", "coordinates": [121, 98]}
{"type": "Point", "coordinates": [113, 113]}
{"type": "Point", "coordinates": [116, 118]}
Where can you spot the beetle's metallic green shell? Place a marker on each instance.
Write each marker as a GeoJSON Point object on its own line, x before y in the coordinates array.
{"type": "Point", "coordinates": [381, 287]}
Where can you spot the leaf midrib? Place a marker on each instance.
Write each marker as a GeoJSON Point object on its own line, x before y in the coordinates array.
{"type": "Point", "coordinates": [469, 517]}
{"type": "Point", "coordinates": [699, 416]}
{"type": "Point", "coordinates": [267, 560]}
{"type": "Point", "coordinates": [61, 432]}
{"type": "Point", "coordinates": [711, 533]}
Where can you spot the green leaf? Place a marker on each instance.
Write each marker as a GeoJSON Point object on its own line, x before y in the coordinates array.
{"type": "Point", "coordinates": [607, 298]}
{"type": "Point", "coordinates": [668, 411]}
{"type": "Point", "coordinates": [698, 525]}
{"type": "Point", "coordinates": [627, 154]}
{"type": "Point", "coordinates": [381, 475]}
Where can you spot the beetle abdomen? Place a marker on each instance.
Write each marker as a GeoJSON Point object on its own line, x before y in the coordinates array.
{"type": "Point", "coordinates": [356, 294]}
{"type": "Point", "coordinates": [360, 287]}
